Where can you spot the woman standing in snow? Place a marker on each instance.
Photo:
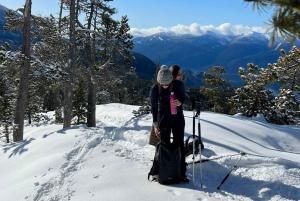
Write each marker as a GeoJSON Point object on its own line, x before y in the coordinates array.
{"type": "Point", "coordinates": [163, 121]}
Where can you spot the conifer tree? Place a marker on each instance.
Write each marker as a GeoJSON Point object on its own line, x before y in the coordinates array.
{"type": "Point", "coordinates": [105, 44]}
{"type": "Point", "coordinates": [48, 57]}
{"type": "Point", "coordinates": [79, 111]}
{"type": "Point", "coordinates": [286, 71]}
{"type": "Point", "coordinates": [285, 109]}
{"type": "Point", "coordinates": [7, 103]}
{"type": "Point", "coordinates": [36, 93]}
{"type": "Point", "coordinates": [8, 92]}
{"type": "Point", "coordinates": [24, 71]}
{"type": "Point", "coordinates": [253, 97]}
{"type": "Point", "coordinates": [285, 20]}
{"type": "Point", "coordinates": [218, 89]}
{"type": "Point", "coordinates": [71, 66]}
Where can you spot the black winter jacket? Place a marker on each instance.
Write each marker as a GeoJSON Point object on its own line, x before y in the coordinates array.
{"type": "Point", "coordinates": [160, 103]}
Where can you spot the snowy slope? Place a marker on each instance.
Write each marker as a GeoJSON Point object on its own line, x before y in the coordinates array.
{"type": "Point", "coordinates": [111, 162]}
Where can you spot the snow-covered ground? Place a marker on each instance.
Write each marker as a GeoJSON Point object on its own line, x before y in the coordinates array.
{"type": "Point", "coordinates": [111, 162]}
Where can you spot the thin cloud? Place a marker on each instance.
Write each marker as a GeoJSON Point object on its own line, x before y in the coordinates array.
{"type": "Point", "coordinates": [198, 30]}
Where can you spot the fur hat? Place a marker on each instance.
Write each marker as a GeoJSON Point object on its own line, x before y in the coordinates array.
{"type": "Point", "coordinates": [164, 76]}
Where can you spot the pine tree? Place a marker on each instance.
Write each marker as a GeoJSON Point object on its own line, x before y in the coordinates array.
{"type": "Point", "coordinates": [105, 44]}
{"type": "Point", "coordinates": [7, 103]}
{"type": "Point", "coordinates": [8, 92]}
{"type": "Point", "coordinates": [71, 66]}
{"type": "Point", "coordinates": [36, 93]}
{"type": "Point", "coordinates": [79, 111]}
{"type": "Point", "coordinates": [285, 109]}
{"type": "Point", "coordinates": [24, 71]}
{"type": "Point", "coordinates": [218, 89]}
{"type": "Point", "coordinates": [193, 92]}
{"type": "Point", "coordinates": [51, 53]}
{"type": "Point", "coordinates": [48, 59]}
{"type": "Point", "coordinates": [253, 97]}
{"type": "Point", "coordinates": [286, 71]}
{"type": "Point", "coordinates": [285, 21]}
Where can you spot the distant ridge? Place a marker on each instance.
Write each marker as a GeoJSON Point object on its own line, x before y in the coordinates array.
{"type": "Point", "coordinates": [199, 53]}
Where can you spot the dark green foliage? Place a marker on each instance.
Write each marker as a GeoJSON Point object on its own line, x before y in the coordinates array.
{"type": "Point", "coordinates": [7, 103]}
{"type": "Point", "coordinates": [192, 92]}
{"type": "Point", "coordinates": [37, 88]}
{"type": "Point", "coordinates": [285, 21]}
{"type": "Point", "coordinates": [286, 71]}
{"type": "Point", "coordinates": [122, 87]}
{"type": "Point", "coordinates": [58, 115]}
{"type": "Point", "coordinates": [102, 43]}
{"type": "Point", "coordinates": [253, 97]}
{"type": "Point", "coordinates": [142, 111]}
{"type": "Point", "coordinates": [79, 110]}
{"type": "Point", "coordinates": [285, 109]}
{"type": "Point", "coordinates": [218, 90]}
{"type": "Point", "coordinates": [8, 94]}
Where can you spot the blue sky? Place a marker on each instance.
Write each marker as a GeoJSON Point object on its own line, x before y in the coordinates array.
{"type": "Point", "coordinates": [180, 16]}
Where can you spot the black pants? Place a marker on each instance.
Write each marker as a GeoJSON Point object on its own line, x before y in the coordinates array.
{"type": "Point", "coordinates": [176, 124]}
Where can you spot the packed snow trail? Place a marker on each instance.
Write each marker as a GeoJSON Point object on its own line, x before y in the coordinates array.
{"type": "Point", "coordinates": [112, 160]}
{"type": "Point", "coordinates": [59, 187]}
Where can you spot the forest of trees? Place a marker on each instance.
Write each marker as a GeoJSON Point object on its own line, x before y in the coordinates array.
{"type": "Point", "coordinates": [254, 96]}
{"type": "Point", "coordinates": [65, 64]}
{"type": "Point", "coordinates": [70, 66]}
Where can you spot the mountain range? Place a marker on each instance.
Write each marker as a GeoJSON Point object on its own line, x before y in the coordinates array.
{"type": "Point", "coordinates": [199, 53]}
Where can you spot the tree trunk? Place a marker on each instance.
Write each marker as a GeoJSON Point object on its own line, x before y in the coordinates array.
{"type": "Point", "coordinates": [29, 118]}
{"type": "Point", "coordinates": [6, 133]}
{"type": "Point", "coordinates": [70, 70]}
{"type": "Point", "coordinates": [60, 14]}
{"type": "Point", "coordinates": [68, 106]}
{"type": "Point", "coordinates": [24, 71]}
{"type": "Point", "coordinates": [91, 116]}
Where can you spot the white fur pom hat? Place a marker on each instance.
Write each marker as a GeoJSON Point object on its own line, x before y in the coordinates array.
{"type": "Point", "coordinates": [164, 76]}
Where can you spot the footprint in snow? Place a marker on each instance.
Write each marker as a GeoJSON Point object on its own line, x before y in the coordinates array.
{"type": "Point", "coordinates": [174, 192]}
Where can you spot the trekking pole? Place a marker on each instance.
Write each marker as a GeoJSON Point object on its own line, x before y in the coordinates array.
{"type": "Point", "coordinates": [200, 150]}
{"type": "Point", "coordinates": [216, 158]}
{"type": "Point", "coordinates": [222, 182]}
{"type": "Point", "coordinates": [193, 107]}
